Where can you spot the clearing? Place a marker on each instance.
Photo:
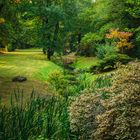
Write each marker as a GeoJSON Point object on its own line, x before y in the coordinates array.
{"type": "Point", "coordinates": [32, 64]}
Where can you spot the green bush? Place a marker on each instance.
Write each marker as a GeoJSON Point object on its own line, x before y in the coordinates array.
{"type": "Point", "coordinates": [105, 50]}
{"type": "Point", "coordinates": [58, 83]}
{"type": "Point", "coordinates": [87, 46]}
{"type": "Point", "coordinates": [11, 47]}
{"type": "Point", "coordinates": [64, 84]}
{"type": "Point", "coordinates": [69, 85]}
{"type": "Point", "coordinates": [85, 81]}
{"type": "Point", "coordinates": [109, 63]}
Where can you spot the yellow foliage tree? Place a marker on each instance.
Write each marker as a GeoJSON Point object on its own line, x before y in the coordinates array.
{"type": "Point", "coordinates": [121, 39]}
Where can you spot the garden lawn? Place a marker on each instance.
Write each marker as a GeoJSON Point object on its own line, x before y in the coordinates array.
{"type": "Point", "coordinates": [29, 63]}
{"type": "Point", "coordinates": [85, 62]}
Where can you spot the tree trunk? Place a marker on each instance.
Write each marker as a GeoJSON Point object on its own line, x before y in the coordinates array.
{"type": "Point", "coordinates": [50, 53]}
{"type": "Point", "coordinates": [79, 41]}
{"type": "Point", "coordinates": [79, 38]}
{"type": "Point", "coordinates": [50, 50]}
{"type": "Point", "coordinates": [1, 6]}
{"type": "Point", "coordinates": [55, 37]}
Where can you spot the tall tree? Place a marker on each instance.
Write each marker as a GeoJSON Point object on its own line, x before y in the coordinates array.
{"type": "Point", "coordinates": [8, 12]}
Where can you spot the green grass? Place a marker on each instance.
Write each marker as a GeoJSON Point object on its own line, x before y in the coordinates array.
{"type": "Point", "coordinates": [85, 62]}
{"type": "Point", "coordinates": [39, 119]}
{"type": "Point", "coordinates": [30, 63]}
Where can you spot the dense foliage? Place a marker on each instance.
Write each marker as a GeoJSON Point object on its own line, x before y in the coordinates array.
{"type": "Point", "coordinates": [121, 118]}
{"type": "Point", "coordinates": [70, 25]}
{"type": "Point", "coordinates": [83, 112]}
{"type": "Point", "coordinates": [106, 109]}
{"type": "Point", "coordinates": [83, 103]}
{"type": "Point", "coordinates": [40, 117]}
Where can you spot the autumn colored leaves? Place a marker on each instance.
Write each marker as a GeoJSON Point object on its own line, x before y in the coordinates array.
{"type": "Point", "coordinates": [120, 39]}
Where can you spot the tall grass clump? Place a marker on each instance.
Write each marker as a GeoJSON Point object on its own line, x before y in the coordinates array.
{"type": "Point", "coordinates": [39, 117]}
{"type": "Point", "coordinates": [85, 81]}
{"type": "Point", "coordinates": [102, 83]}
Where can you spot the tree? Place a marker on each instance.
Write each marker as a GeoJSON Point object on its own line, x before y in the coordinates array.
{"type": "Point", "coordinates": [133, 10]}
{"type": "Point", "coordinates": [121, 39]}
{"type": "Point", "coordinates": [9, 22]}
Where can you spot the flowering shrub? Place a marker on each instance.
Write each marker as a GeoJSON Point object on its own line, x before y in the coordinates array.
{"type": "Point", "coordinates": [121, 120]}
{"type": "Point", "coordinates": [82, 114]}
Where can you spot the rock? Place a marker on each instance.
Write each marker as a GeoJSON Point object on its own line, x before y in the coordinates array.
{"type": "Point", "coordinates": [19, 79]}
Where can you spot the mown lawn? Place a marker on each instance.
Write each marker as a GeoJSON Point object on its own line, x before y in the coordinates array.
{"type": "Point", "coordinates": [32, 64]}
{"type": "Point", "coordinates": [85, 62]}
{"type": "Point", "coordinates": [29, 63]}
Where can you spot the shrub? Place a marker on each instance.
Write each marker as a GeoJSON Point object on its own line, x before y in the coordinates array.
{"type": "Point", "coordinates": [87, 46]}
{"type": "Point", "coordinates": [63, 84]}
{"type": "Point", "coordinates": [58, 82]}
{"type": "Point", "coordinates": [82, 114]}
{"type": "Point", "coordinates": [11, 47]}
{"type": "Point", "coordinates": [85, 81]}
{"type": "Point", "coordinates": [103, 81]}
{"type": "Point", "coordinates": [105, 50]}
{"type": "Point", "coordinates": [121, 39]}
{"type": "Point", "coordinates": [121, 120]}
{"type": "Point", "coordinates": [136, 41]}
{"type": "Point", "coordinates": [112, 59]}
{"type": "Point", "coordinates": [109, 63]}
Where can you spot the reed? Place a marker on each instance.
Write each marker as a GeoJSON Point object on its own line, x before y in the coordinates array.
{"type": "Point", "coordinates": [39, 117]}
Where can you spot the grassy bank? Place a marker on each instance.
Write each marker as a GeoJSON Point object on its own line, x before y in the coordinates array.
{"type": "Point", "coordinates": [85, 62]}
{"type": "Point", "coordinates": [30, 63]}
